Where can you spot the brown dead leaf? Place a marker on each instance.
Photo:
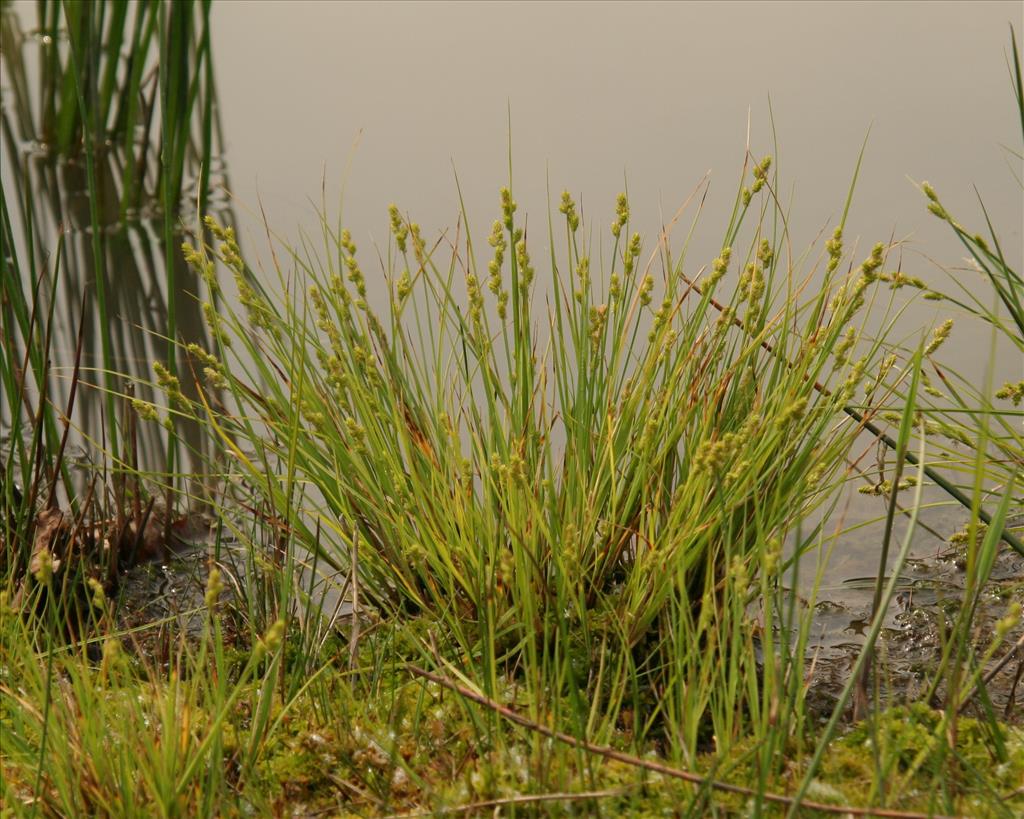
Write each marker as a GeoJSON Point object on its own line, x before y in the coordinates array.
{"type": "Point", "coordinates": [49, 525]}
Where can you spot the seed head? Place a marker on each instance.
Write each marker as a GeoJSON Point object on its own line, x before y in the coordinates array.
{"type": "Point", "coordinates": [146, 410]}
{"type": "Point", "coordinates": [170, 384]}
{"type": "Point", "coordinates": [398, 228]}
{"type": "Point", "coordinates": [44, 566]}
{"type": "Point", "coordinates": [873, 262]}
{"type": "Point", "coordinates": [1012, 392]}
{"type": "Point", "coordinates": [834, 246]}
{"type": "Point", "coordinates": [525, 268]}
{"type": "Point", "coordinates": [842, 349]}
{"type": "Point", "coordinates": [214, 588]}
{"type": "Point", "coordinates": [271, 641]}
{"type": "Point", "coordinates": [404, 286]}
{"type": "Point", "coordinates": [719, 267]}
{"type": "Point", "coordinates": [794, 412]}
{"type": "Point", "coordinates": [621, 214]}
{"type": "Point", "coordinates": [508, 207]}
{"type": "Point", "coordinates": [568, 207]}
{"type": "Point", "coordinates": [99, 597]}
{"type": "Point", "coordinates": [939, 335]}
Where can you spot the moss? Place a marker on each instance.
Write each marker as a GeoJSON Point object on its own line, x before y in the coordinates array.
{"type": "Point", "coordinates": [912, 745]}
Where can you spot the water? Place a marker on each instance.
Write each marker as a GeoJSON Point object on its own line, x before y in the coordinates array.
{"type": "Point", "coordinates": [381, 102]}
{"type": "Point", "coordinates": [391, 100]}
{"type": "Point", "coordinates": [388, 102]}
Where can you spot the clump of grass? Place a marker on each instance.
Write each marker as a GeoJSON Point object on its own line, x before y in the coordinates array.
{"type": "Point", "coordinates": [583, 504]}
{"type": "Point", "coordinates": [564, 562]}
{"type": "Point", "coordinates": [92, 728]}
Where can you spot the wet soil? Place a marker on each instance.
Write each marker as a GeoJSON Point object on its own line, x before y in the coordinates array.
{"type": "Point", "coordinates": [162, 600]}
{"type": "Point", "coordinates": [910, 647]}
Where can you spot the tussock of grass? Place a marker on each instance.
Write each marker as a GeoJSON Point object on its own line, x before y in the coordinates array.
{"type": "Point", "coordinates": [583, 507]}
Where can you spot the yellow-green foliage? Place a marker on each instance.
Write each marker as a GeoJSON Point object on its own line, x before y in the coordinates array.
{"type": "Point", "coordinates": [912, 745]}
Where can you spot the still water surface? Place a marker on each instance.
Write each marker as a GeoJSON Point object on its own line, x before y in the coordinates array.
{"type": "Point", "coordinates": [391, 100]}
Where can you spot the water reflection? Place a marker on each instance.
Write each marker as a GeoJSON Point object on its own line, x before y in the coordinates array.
{"type": "Point", "coordinates": [97, 245]}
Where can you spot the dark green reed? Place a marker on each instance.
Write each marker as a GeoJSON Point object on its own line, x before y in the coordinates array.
{"type": "Point", "coordinates": [98, 143]}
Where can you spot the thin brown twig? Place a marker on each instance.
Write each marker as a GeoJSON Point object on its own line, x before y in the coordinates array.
{"type": "Point", "coordinates": [521, 799]}
{"type": "Point", "coordinates": [992, 672]}
{"type": "Point", "coordinates": [651, 765]}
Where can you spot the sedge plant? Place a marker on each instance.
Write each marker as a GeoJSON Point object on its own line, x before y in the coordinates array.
{"type": "Point", "coordinates": [583, 510]}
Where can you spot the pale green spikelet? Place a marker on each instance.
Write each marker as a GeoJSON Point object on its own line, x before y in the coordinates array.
{"type": "Point", "coordinates": [198, 261]}
{"type": "Point", "coordinates": [419, 247]}
{"type": "Point", "coordinates": [630, 255]}
{"type": "Point", "coordinates": [404, 286]}
{"type": "Point", "coordinates": [270, 642]}
{"type": "Point", "coordinates": [760, 172]}
{"type": "Point", "coordinates": [743, 289]}
{"type": "Point", "coordinates": [526, 271]}
{"type": "Point", "coordinates": [646, 286]}
{"type": "Point", "coordinates": [885, 487]}
{"type": "Point", "coordinates": [215, 378]}
{"type": "Point", "coordinates": [849, 387]}
{"type": "Point", "coordinates": [621, 214]}
{"type": "Point", "coordinates": [568, 207]}
{"type": "Point", "coordinates": [713, 455]}
{"type": "Point", "coordinates": [99, 596]}
{"type": "Point", "coordinates": [214, 589]}
{"type": "Point", "coordinates": [870, 265]}
{"type": "Point", "coordinates": [112, 655]}
{"type": "Point", "coordinates": [213, 322]}
{"type": "Point", "coordinates": [583, 276]}
{"type": "Point", "coordinates": [724, 320]}
{"type": "Point", "coordinates": [834, 246]}
{"type": "Point", "coordinates": [939, 335]}
{"type": "Point", "coordinates": [508, 208]}
{"type": "Point", "coordinates": [598, 320]}
{"type": "Point", "coordinates": [816, 474]}
{"type": "Point", "coordinates": [355, 274]}
{"type": "Point", "coordinates": [614, 288]}
{"type": "Point", "coordinates": [794, 412]}
{"type": "Point", "coordinates": [1011, 392]}
{"type": "Point", "coordinates": [146, 411]}
{"type": "Point", "coordinates": [398, 227]}
{"type": "Point", "coordinates": [259, 312]}
{"type": "Point", "coordinates": [43, 566]}
{"type": "Point", "coordinates": [929, 387]}
{"type": "Point", "coordinates": [843, 347]}
{"type": "Point", "coordinates": [170, 384]}
{"type": "Point", "coordinates": [718, 268]}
